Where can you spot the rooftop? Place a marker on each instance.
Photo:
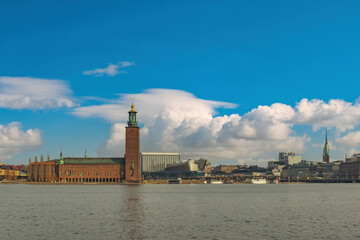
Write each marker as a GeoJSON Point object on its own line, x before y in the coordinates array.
{"type": "Point", "coordinates": [98, 160]}
{"type": "Point", "coordinates": [158, 153]}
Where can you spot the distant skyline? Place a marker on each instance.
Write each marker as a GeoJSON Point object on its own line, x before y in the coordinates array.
{"type": "Point", "coordinates": [235, 82]}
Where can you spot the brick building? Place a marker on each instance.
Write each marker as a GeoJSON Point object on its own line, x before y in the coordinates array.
{"type": "Point", "coordinates": [86, 170]}
{"type": "Point", "coordinates": [94, 170]}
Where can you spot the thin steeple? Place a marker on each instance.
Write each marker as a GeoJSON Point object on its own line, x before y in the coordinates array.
{"type": "Point", "coordinates": [61, 160]}
{"type": "Point", "coordinates": [326, 146]}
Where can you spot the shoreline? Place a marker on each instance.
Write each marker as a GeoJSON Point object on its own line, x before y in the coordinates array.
{"type": "Point", "coordinates": [157, 182]}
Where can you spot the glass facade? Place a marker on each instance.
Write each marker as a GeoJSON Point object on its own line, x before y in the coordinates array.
{"type": "Point", "coordinates": [156, 162]}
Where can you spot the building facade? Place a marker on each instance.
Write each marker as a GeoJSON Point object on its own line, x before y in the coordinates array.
{"type": "Point", "coordinates": [350, 170]}
{"type": "Point", "coordinates": [225, 168]}
{"type": "Point", "coordinates": [190, 165]}
{"type": "Point", "coordinates": [302, 170]}
{"type": "Point", "coordinates": [289, 158]}
{"type": "Point", "coordinates": [94, 170]}
{"type": "Point", "coordinates": [87, 170]}
{"type": "Point", "coordinates": [156, 162]}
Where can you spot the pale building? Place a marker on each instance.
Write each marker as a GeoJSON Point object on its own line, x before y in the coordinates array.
{"type": "Point", "coordinates": [289, 158]}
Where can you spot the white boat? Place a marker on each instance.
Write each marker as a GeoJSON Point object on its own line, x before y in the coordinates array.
{"type": "Point", "coordinates": [258, 181]}
{"type": "Point", "coordinates": [217, 182]}
{"type": "Point", "coordinates": [276, 181]}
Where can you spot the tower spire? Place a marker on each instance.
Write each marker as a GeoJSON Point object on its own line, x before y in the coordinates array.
{"type": "Point", "coordinates": [132, 115]}
{"type": "Point", "coordinates": [61, 160]}
{"type": "Point", "coordinates": [326, 150]}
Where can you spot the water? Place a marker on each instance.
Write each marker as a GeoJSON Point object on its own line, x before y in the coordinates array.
{"type": "Point", "coordinates": [283, 211]}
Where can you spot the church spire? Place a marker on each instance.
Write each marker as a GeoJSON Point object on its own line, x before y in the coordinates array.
{"type": "Point", "coordinates": [326, 150]}
{"type": "Point", "coordinates": [326, 146]}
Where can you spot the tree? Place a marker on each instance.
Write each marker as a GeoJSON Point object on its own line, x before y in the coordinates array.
{"type": "Point", "coordinates": [7, 173]}
{"type": "Point", "coordinates": [48, 177]}
{"type": "Point", "coordinates": [29, 171]}
{"type": "Point", "coordinates": [13, 175]}
{"type": "Point", "coordinates": [36, 170]}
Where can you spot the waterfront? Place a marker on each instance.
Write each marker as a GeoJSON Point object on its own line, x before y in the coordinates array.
{"type": "Point", "coordinates": [245, 211]}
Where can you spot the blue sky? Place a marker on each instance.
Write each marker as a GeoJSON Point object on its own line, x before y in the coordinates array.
{"type": "Point", "coordinates": [240, 53]}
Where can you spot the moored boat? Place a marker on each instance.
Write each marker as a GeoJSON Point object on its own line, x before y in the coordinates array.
{"type": "Point", "coordinates": [258, 181]}
{"type": "Point", "coordinates": [275, 181]}
{"type": "Point", "coordinates": [217, 182]}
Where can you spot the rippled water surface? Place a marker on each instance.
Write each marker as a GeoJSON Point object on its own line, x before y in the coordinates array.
{"type": "Point", "coordinates": [283, 211]}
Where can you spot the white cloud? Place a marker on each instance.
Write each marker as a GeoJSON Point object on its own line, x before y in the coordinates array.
{"type": "Point", "coordinates": [110, 70]}
{"type": "Point", "coordinates": [14, 140]}
{"type": "Point", "coordinates": [336, 113]}
{"type": "Point", "coordinates": [150, 103]}
{"type": "Point", "coordinates": [117, 138]}
{"type": "Point", "coordinates": [178, 121]}
{"type": "Point", "coordinates": [175, 120]}
{"type": "Point", "coordinates": [34, 93]}
{"type": "Point", "coordinates": [351, 139]}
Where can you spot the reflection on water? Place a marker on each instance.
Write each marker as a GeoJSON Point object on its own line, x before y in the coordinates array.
{"type": "Point", "coordinates": [294, 211]}
{"type": "Point", "coordinates": [133, 216]}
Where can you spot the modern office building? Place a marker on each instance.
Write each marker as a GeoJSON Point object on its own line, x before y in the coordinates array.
{"type": "Point", "coordinates": [156, 162]}
{"type": "Point", "coordinates": [183, 169]}
{"type": "Point", "coordinates": [189, 165]}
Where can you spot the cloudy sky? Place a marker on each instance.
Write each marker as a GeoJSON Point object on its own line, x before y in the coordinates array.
{"type": "Point", "coordinates": [234, 81]}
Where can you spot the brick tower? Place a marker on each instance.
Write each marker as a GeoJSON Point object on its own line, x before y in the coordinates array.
{"type": "Point", "coordinates": [326, 156]}
{"type": "Point", "coordinates": [132, 149]}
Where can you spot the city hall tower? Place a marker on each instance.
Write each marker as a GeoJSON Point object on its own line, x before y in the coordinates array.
{"type": "Point", "coordinates": [132, 149]}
